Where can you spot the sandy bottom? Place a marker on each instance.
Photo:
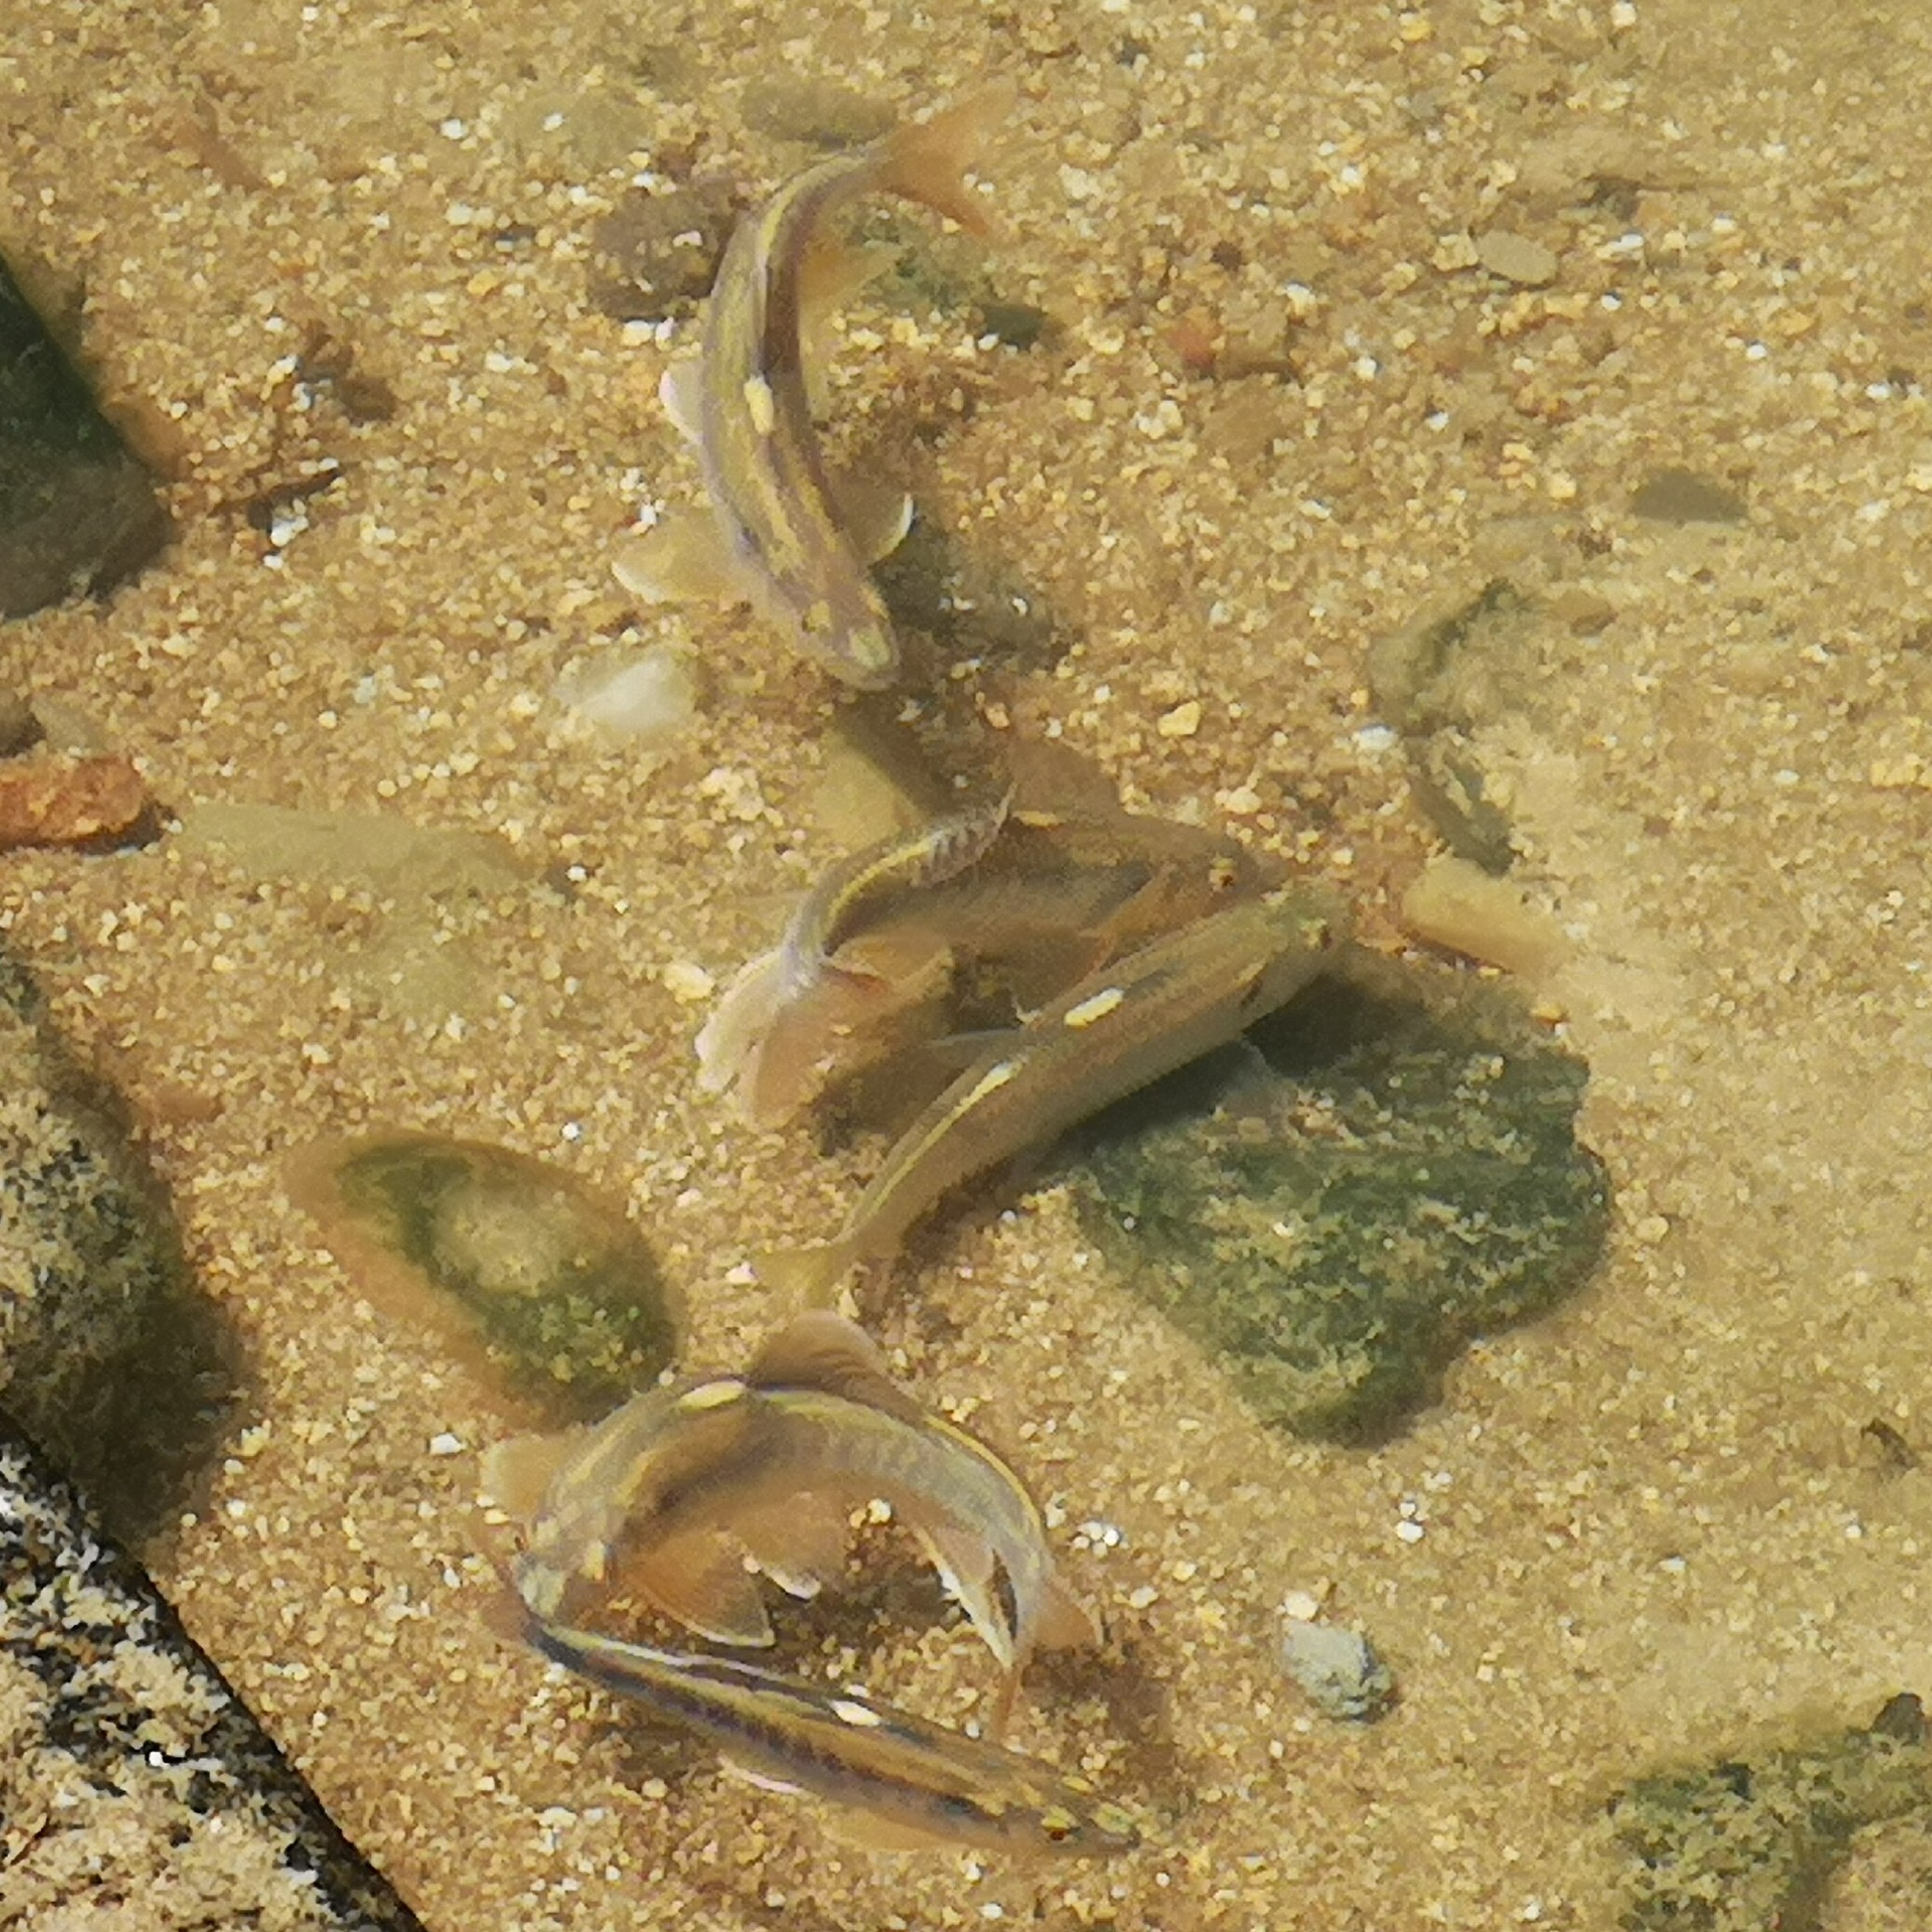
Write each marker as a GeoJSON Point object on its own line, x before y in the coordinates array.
{"type": "Point", "coordinates": [1649, 1532]}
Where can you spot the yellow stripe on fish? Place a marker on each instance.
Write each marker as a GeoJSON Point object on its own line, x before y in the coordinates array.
{"type": "Point", "coordinates": [900, 1781]}
{"type": "Point", "coordinates": [1116, 1032]}
{"type": "Point", "coordinates": [785, 536]}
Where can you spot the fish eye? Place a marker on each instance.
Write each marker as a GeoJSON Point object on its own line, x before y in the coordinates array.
{"type": "Point", "coordinates": [1058, 1825]}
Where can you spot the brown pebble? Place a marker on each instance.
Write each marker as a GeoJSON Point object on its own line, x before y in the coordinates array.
{"type": "Point", "coordinates": [61, 800]}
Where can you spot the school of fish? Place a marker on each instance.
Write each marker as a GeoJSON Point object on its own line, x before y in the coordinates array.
{"type": "Point", "coordinates": [1002, 972]}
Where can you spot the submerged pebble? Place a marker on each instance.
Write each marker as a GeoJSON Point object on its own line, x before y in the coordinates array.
{"type": "Point", "coordinates": [61, 800]}
{"type": "Point", "coordinates": [1395, 1171]}
{"type": "Point", "coordinates": [646, 698]}
{"type": "Point", "coordinates": [543, 1287]}
{"type": "Point", "coordinates": [1337, 1670]}
{"type": "Point", "coordinates": [1683, 496]}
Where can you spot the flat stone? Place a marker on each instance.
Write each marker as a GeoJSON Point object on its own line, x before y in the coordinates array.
{"type": "Point", "coordinates": [539, 1285]}
{"type": "Point", "coordinates": [1331, 1217]}
{"type": "Point", "coordinates": [130, 1770]}
{"type": "Point", "coordinates": [1516, 258]}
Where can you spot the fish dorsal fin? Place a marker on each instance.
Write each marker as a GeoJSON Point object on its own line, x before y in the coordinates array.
{"type": "Point", "coordinates": [823, 1350]}
{"type": "Point", "coordinates": [700, 1578]}
{"type": "Point", "coordinates": [965, 1564]}
{"type": "Point", "coordinates": [516, 1474]}
{"type": "Point", "coordinates": [799, 1541]}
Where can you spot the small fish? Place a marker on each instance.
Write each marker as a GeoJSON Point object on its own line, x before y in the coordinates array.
{"type": "Point", "coordinates": [840, 904]}
{"type": "Point", "coordinates": [683, 1485]}
{"type": "Point", "coordinates": [801, 991]}
{"type": "Point", "coordinates": [922, 934]}
{"type": "Point", "coordinates": [786, 535]}
{"type": "Point", "coordinates": [900, 1782]}
{"type": "Point", "coordinates": [1115, 1032]}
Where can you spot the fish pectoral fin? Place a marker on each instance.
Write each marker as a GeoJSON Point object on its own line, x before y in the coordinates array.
{"type": "Point", "coordinates": [681, 558]}
{"type": "Point", "coordinates": [811, 1274]}
{"type": "Point", "coordinates": [516, 1473]}
{"type": "Point", "coordinates": [875, 516]}
{"type": "Point", "coordinates": [682, 391]}
{"type": "Point", "coordinates": [868, 1830]}
{"type": "Point", "coordinates": [799, 1542]}
{"type": "Point", "coordinates": [912, 958]}
{"type": "Point", "coordinates": [1064, 1622]}
{"type": "Point", "coordinates": [964, 1561]}
{"type": "Point", "coordinates": [702, 1581]}
{"type": "Point", "coordinates": [739, 1021]}
{"type": "Point", "coordinates": [821, 1350]}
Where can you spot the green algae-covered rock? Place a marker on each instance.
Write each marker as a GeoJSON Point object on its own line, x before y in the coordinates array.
{"type": "Point", "coordinates": [1743, 1846]}
{"type": "Point", "coordinates": [1394, 1173]}
{"type": "Point", "coordinates": [545, 1288]}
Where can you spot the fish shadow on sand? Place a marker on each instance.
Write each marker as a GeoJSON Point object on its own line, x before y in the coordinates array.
{"type": "Point", "coordinates": [950, 602]}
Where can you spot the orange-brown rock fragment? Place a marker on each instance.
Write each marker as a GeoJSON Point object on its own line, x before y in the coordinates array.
{"type": "Point", "coordinates": [69, 801]}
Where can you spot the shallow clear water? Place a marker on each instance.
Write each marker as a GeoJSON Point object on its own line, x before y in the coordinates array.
{"type": "Point", "coordinates": [1354, 312]}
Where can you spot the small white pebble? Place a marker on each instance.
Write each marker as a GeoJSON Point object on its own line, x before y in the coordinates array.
{"type": "Point", "coordinates": [687, 982]}
{"type": "Point", "coordinates": [446, 1444]}
{"type": "Point", "coordinates": [1409, 1531]}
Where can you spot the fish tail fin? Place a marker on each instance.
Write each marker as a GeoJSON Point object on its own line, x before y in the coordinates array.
{"type": "Point", "coordinates": [809, 1275]}
{"type": "Point", "coordinates": [927, 160]}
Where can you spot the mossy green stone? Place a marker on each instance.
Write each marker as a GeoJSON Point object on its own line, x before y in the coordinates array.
{"type": "Point", "coordinates": [1395, 1171]}
{"type": "Point", "coordinates": [559, 1290]}
{"type": "Point", "coordinates": [1737, 1846]}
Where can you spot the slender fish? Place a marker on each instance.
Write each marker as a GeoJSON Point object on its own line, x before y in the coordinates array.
{"type": "Point", "coordinates": [902, 1782]}
{"type": "Point", "coordinates": [787, 535]}
{"type": "Point", "coordinates": [682, 1485]}
{"type": "Point", "coordinates": [800, 990]}
{"type": "Point", "coordinates": [1115, 1032]}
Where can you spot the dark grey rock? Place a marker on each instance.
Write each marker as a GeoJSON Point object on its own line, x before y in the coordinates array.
{"type": "Point", "coordinates": [130, 1773]}
{"type": "Point", "coordinates": [77, 511]}
{"type": "Point", "coordinates": [108, 1356]}
{"type": "Point", "coordinates": [1745, 1844]}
